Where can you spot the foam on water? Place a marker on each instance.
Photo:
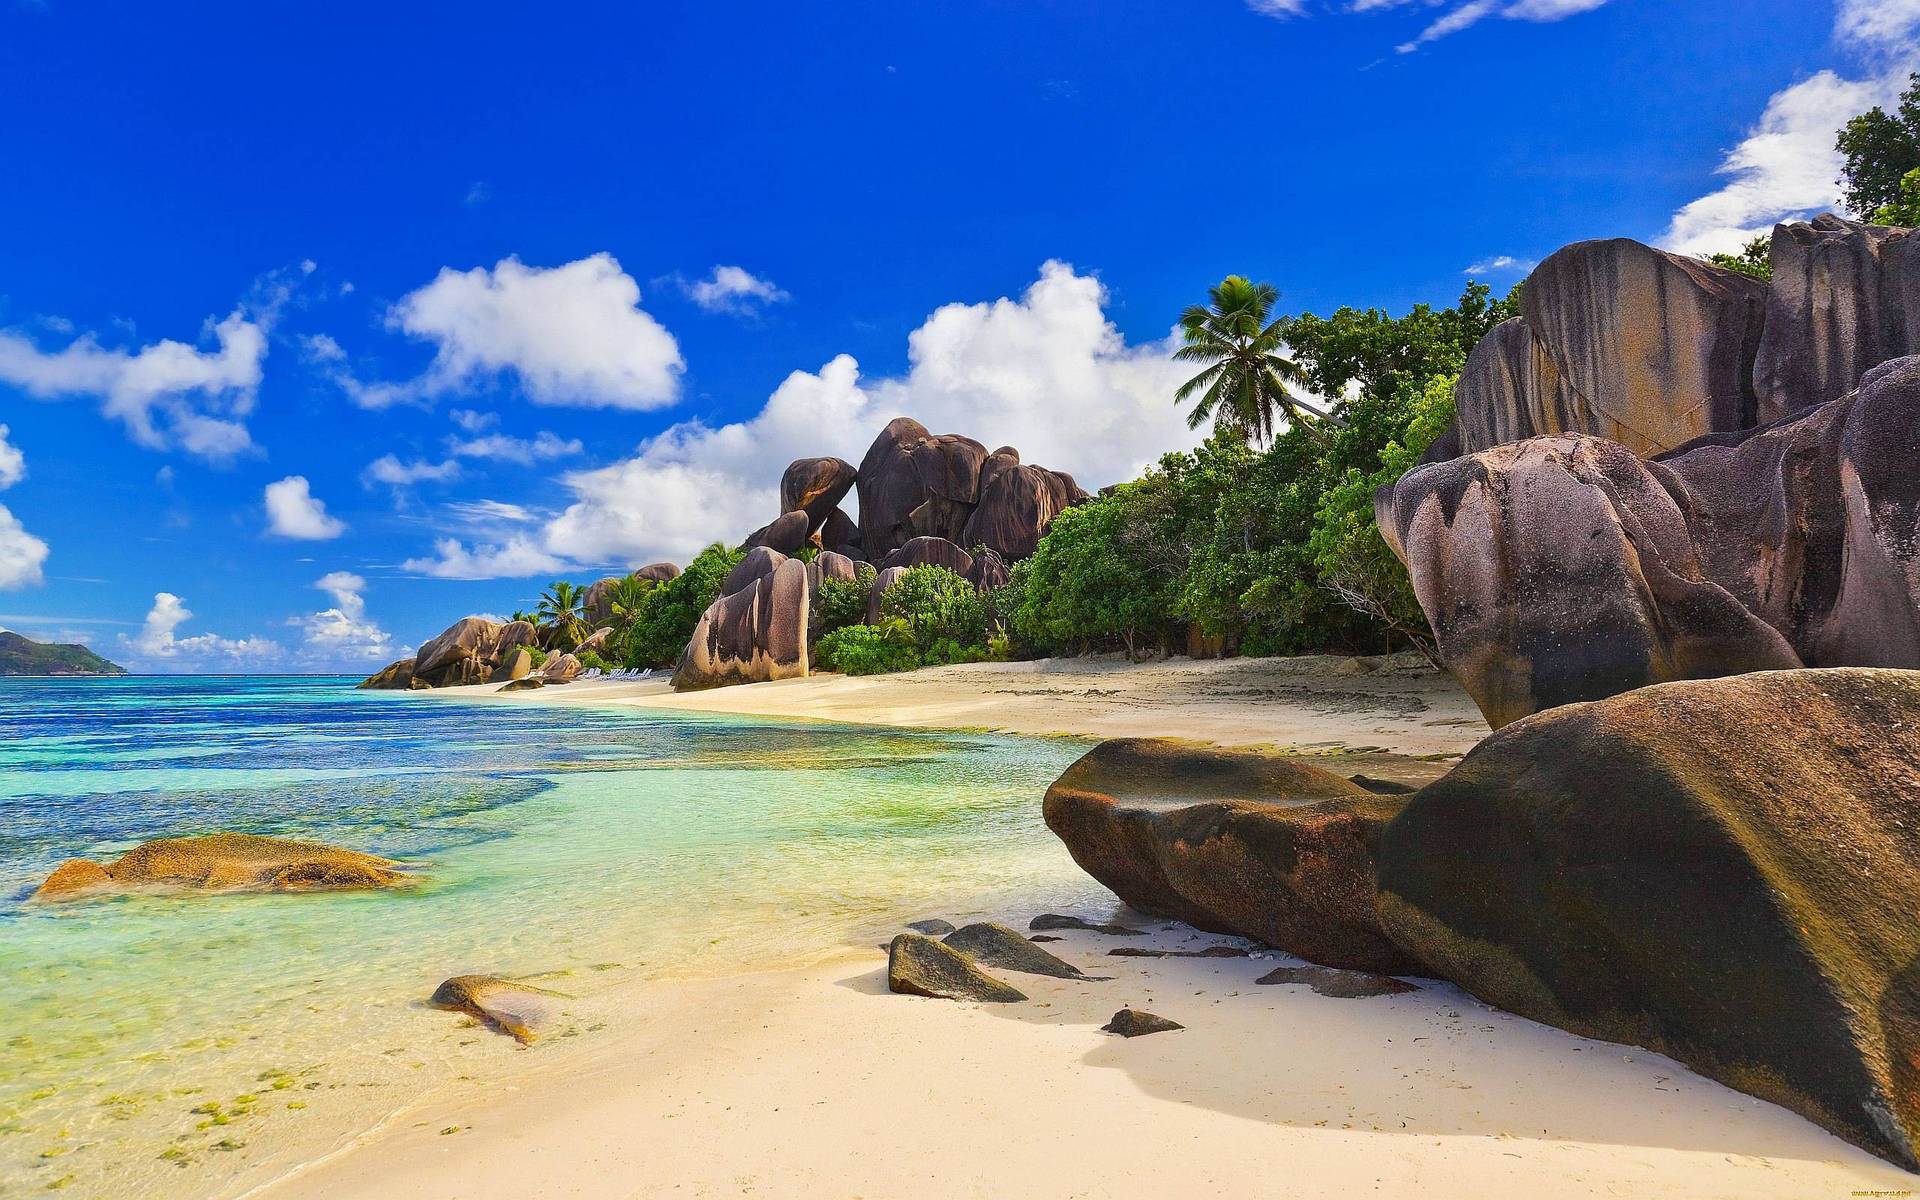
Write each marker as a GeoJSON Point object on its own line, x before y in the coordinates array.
{"type": "Point", "coordinates": [159, 1045]}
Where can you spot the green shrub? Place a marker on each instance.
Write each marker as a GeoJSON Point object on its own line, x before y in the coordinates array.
{"type": "Point", "coordinates": [937, 604]}
{"type": "Point", "coordinates": [868, 649]}
{"type": "Point", "coordinates": [670, 611]}
{"type": "Point", "coordinates": [843, 602]}
{"type": "Point", "coordinates": [590, 659]}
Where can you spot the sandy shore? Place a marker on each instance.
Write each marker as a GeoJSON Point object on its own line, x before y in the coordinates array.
{"type": "Point", "coordinates": [817, 1082]}
{"type": "Point", "coordinates": [1310, 704]}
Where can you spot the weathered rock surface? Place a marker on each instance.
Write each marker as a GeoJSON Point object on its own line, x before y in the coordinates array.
{"type": "Point", "coordinates": [395, 676]}
{"type": "Point", "coordinates": [229, 862]}
{"type": "Point", "coordinates": [752, 635]}
{"type": "Point", "coordinates": [932, 927]}
{"type": "Point", "coordinates": [1845, 297]}
{"type": "Point", "coordinates": [518, 664]}
{"type": "Point", "coordinates": [1132, 1023]}
{"type": "Point", "coordinates": [815, 486]}
{"type": "Point", "coordinates": [560, 668]}
{"type": "Point", "coordinates": [1242, 842]}
{"type": "Point", "coordinates": [1341, 985]}
{"type": "Point", "coordinates": [930, 552]}
{"type": "Point", "coordinates": [1559, 569]}
{"type": "Point", "coordinates": [1150, 952]}
{"type": "Point", "coordinates": [1017, 503]}
{"type": "Point", "coordinates": [760, 562]}
{"type": "Point", "coordinates": [915, 484]}
{"type": "Point", "coordinates": [1724, 871]}
{"type": "Point", "coordinates": [786, 534]}
{"type": "Point", "coordinates": [524, 684]}
{"type": "Point", "coordinates": [1061, 921]}
{"type": "Point", "coordinates": [519, 1010]}
{"type": "Point", "coordinates": [596, 607]}
{"type": "Point", "coordinates": [468, 651]}
{"type": "Point", "coordinates": [989, 570]}
{"type": "Point", "coordinates": [841, 535]}
{"type": "Point", "coordinates": [829, 565]}
{"type": "Point", "coordinates": [998, 946]}
{"type": "Point", "coordinates": [881, 582]}
{"type": "Point", "coordinates": [920, 966]}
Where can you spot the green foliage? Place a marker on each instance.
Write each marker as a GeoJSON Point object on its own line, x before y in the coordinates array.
{"type": "Point", "coordinates": [1905, 210]}
{"type": "Point", "coordinates": [936, 604]}
{"type": "Point", "coordinates": [1100, 580]}
{"type": "Point", "coordinates": [1246, 381]}
{"type": "Point", "coordinates": [590, 660]}
{"type": "Point", "coordinates": [868, 649]}
{"type": "Point", "coordinates": [559, 611]}
{"type": "Point", "coordinates": [843, 602]}
{"type": "Point", "coordinates": [1754, 260]}
{"type": "Point", "coordinates": [1881, 149]}
{"type": "Point", "coordinates": [665, 621]}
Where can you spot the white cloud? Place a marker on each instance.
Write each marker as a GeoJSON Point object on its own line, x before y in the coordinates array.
{"type": "Point", "coordinates": [169, 395]}
{"type": "Point", "coordinates": [293, 511]}
{"type": "Point", "coordinates": [1279, 8]}
{"type": "Point", "coordinates": [156, 641]}
{"type": "Point", "coordinates": [1876, 24]}
{"type": "Point", "coordinates": [474, 422]}
{"type": "Point", "coordinates": [1471, 13]}
{"type": "Point", "coordinates": [525, 451]}
{"type": "Point", "coordinates": [1046, 373]}
{"type": "Point", "coordinates": [343, 633]}
{"type": "Point", "coordinates": [13, 464]}
{"type": "Point", "coordinates": [572, 335]}
{"type": "Point", "coordinates": [733, 290]}
{"type": "Point", "coordinates": [515, 558]}
{"type": "Point", "coordinates": [388, 469]}
{"type": "Point", "coordinates": [1502, 264]}
{"type": "Point", "coordinates": [21, 554]}
{"type": "Point", "coordinates": [489, 512]}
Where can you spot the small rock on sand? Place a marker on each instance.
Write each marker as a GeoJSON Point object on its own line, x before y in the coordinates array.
{"type": "Point", "coordinates": [998, 946]}
{"type": "Point", "coordinates": [933, 927]}
{"type": "Point", "coordinates": [519, 1010]}
{"type": "Point", "coordinates": [1057, 921]}
{"type": "Point", "coordinates": [919, 966]}
{"type": "Point", "coordinates": [1131, 1023]}
{"type": "Point", "coordinates": [1342, 985]}
{"type": "Point", "coordinates": [1209, 952]}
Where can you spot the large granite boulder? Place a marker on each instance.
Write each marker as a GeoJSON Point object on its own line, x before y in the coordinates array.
{"type": "Point", "coordinates": [1559, 569]}
{"type": "Point", "coordinates": [840, 534]}
{"type": "Point", "coordinates": [1243, 842]}
{"type": "Point", "coordinates": [596, 606]}
{"type": "Point", "coordinates": [881, 582]}
{"type": "Point", "coordinates": [756, 633]}
{"type": "Point", "coordinates": [220, 862]}
{"type": "Point", "coordinates": [786, 534]}
{"type": "Point", "coordinates": [758, 563]}
{"type": "Point", "coordinates": [1017, 503]}
{"type": "Point", "coordinates": [930, 552]}
{"type": "Point", "coordinates": [989, 570]}
{"type": "Point", "coordinates": [915, 484]}
{"type": "Point", "coordinates": [1622, 341]}
{"type": "Point", "coordinates": [1845, 297]}
{"type": "Point", "coordinates": [395, 676]}
{"type": "Point", "coordinates": [815, 486]}
{"type": "Point", "coordinates": [1726, 872]}
{"type": "Point", "coordinates": [469, 651]}
{"type": "Point", "coordinates": [828, 565]}
{"type": "Point", "coordinates": [919, 966]}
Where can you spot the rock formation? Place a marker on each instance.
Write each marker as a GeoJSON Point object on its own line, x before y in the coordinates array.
{"type": "Point", "coordinates": [815, 486]}
{"type": "Point", "coordinates": [919, 966]}
{"type": "Point", "coordinates": [226, 862]}
{"type": "Point", "coordinates": [1132, 1023]}
{"type": "Point", "coordinates": [930, 552]}
{"type": "Point", "coordinates": [994, 945]}
{"type": "Point", "coordinates": [1017, 503]}
{"type": "Point", "coordinates": [914, 484]}
{"type": "Point", "coordinates": [468, 651]}
{"type": "Point", "coordinates": [1242, 842]}
{"type": "Point", "coordinates": [1723, 871]}
{"type": "Point", "coordinates": [519, 1010]}
{"type": "Point", "coordinates": [596, 607]}
{"type": "Point", "coordinates": [754, 633]}
{"type": "Point", "coordinates": [785, 535]}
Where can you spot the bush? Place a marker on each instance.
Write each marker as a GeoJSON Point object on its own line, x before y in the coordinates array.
{"type": "Point", "coordinates": [936, 604]}
{"type": "Point", "coordinates": [868, 649]}
{"type": "Point", "coordinates": [843, 602]}
{"type": "Point", "coordinates": [666, 618]}
{"type": "Point", "coordinates": [590, 660]}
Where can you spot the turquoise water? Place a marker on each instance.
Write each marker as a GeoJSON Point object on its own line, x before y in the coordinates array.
{"type": "Point", "coordinates": [175, 1045]}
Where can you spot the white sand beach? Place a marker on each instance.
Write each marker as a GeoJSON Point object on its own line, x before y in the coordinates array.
{"type": "Point", "coordinates": [817, 1082]}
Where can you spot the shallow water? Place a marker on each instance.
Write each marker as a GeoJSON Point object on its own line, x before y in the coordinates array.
{"type": "Point", "coordinates": [158, 1044]}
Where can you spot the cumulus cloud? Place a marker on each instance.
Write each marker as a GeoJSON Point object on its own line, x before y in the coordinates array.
{"type": "Point", "coordinates": [169, 394]}
{"type": "Point", "coordinates": [293, 511]}
{"type": "Point", "coordinates": [572, 335]}
{"type": "Point", "coordinates": [1787, 166]}
{"type": "Point", "coordinates": [733, 290]}
{"type": "Point", "coordinates": [389, 470]}
{"type": "Point", "coordinates": [540, 447]}
{"type": "Point", "coordinates": [157, 643]}
{"type": "Point", "coordinates": [344, 633]}
{"type": "Point", "coordinates": [13, 464]}
{"type": "Point", "coordinates": [21, 553]}
{"type": "Point", "coordinates": [1047, 373]}
{"type": "Point", "coordinates": [1502, 264]}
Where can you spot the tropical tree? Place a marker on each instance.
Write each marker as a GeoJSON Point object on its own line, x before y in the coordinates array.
{"type": "Point", "coordinates": [560, 613]}
{"type": "Point", "coordinates": [1881, 148]}
{"type": "Point", "coordinates": [1248, 378]}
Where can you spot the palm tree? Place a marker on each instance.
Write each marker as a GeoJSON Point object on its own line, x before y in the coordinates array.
{"type": "Point", "coordinates": [559, 611]}
{"type": "Point", "coordinates": [628, 598]}
{"type": "Point", "coordinates": [1248, 376]}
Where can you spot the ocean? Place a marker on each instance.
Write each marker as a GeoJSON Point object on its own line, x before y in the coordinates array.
{"type": "Point", "coordinates": [191, 1045]}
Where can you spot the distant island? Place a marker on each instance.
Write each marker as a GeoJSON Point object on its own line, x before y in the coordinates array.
{"type": "Point", "coordinates": [24, 656]}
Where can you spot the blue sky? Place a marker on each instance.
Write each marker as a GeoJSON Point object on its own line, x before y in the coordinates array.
{"type": "Point", "coordinates": [320, 329]}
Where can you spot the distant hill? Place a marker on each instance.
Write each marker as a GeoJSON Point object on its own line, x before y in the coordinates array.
{"type": "Point", "coordinates": [24, 656]}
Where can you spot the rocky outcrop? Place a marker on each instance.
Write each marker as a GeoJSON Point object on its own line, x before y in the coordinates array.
{"type": "Point", "coordinates": [519, 664]}
{"type": "Point", "coordinates": [758, 563]}
{"type": "Point", "coordinates": [881, 582]}
{"type": "Point", "coordinates": [1340, 985]}
{"type": "Point", "coordinates": [1242, 842]}
{"type": "Point", "coordinates": [919, 966]}
{"type": "Point", "coordinates": [1621, 341]}
{"type": "Point", "coordinates": [1723, 871]}
{"type": "Point", "coordinates": [930, 552]}
{"type": "Point", "coordinates": [468, 651]}
{"type": "Point", "coordinates": [989, 570]}
{"type": "Point", "coordinates": [1845, 297]}
{"type": "Point", "coordinates": [785, 535]}
{"type": "Point", "coordinates": [753, 634]}
{"type": "Point", "coordinates": [841, 535]}
{"type": "Point", "coordinates": [596, 607]}
{"type": "Point", "coordinates": [1017, 503]}
{"type": "Point", "coordinates": [815, 486]}
{"type": "Point", "coordinates": [1559, 569]}
{"type": "Point", "coordinates": [914, 484]}
{"type": "Point", "coordinates": [1563, 569]}
{"type": "Point", "coordinates": [395, 676]}
{"type": "Point", "coordinates": [519, 1010]}
{"type": "Point", "coordinates": [560, 668]}
{"type": "Point", "coordinates": [222, 862]}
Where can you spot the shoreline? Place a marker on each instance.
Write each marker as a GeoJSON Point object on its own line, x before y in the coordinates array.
{"type": "Point", "coordinates": [816, 1081]}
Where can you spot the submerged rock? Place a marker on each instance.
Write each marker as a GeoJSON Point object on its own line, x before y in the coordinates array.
{"type": "Point", "coordinates": [996, 945]}
{"type": "Point", "coordinates": [1342, 985]}
{"type": "Point", "coordinates": [1723, 871]}
{"type": "Point", "coordinates": [229, 862]}
{"type": "Point", "coordinates": [1256, 844]}
{"type": "Point", "coordinates": [519, 1010]}
{"type": "Point", "coordinates": [525, 684]}
{"type": "Point", "coordinates": [919, 966]}
{"type": "Point", "coordinates": [1132, 1023]}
